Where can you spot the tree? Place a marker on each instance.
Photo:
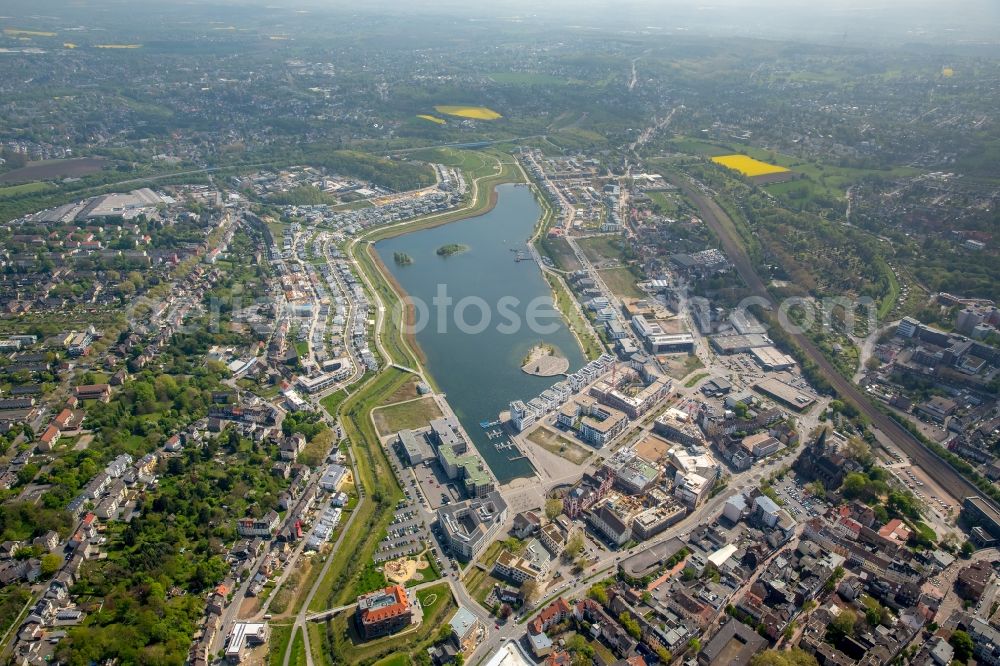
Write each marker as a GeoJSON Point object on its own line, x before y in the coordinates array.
{"type": "Point", "coordinates": [793, 657]}
{"type": "Point", "coordinates": [574, 545]}
{"type": "Point", "coordinates": [664, 654]}
{"type": "Point", "coordinates": [553, 507]}
{"type": "Point", "coordinates": [631, 625]}
{"type": "Point", "coordinates": [694, 644]}
{"type": "Point", "coordinates": [529, 589]}
{"type": "Point", "coordinates": [968, 549]}
{"type": "Point", "coordinates": [598, 593]}
{"type": "Point", "coordinates": [858, 450]}
{"type": "Point", "coordinates": [962, 643]}
{"type": "Point", "coordinates": [50, 564]}
{"type": "Point", "coordinates": [843, 624]}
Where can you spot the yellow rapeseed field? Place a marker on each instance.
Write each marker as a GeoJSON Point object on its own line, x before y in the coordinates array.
{"type": "Point", "coordinates": [748, 166]}
{"type": "Point", "coordinates": [474, 112]}
{"type": "Point", "coordinates": [433, 119]}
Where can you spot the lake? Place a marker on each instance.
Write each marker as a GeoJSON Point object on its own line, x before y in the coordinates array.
{"type": "Point", "coordinates": [478, 365]}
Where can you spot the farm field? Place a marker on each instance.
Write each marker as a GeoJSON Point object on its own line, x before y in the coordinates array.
{"type": "Point", "coordinates": [817, 179]}
{"type": "Point", "coordinates": [748, 166]}
{"type": "Point", "coordinates": [433, 119]}
{"type": "Point", "coordinates": [474, 112]}
{"type": "Point", "coordinates": [527, 78]}
{"type": "Point", "coordinates": [53, 169]}
{"type": "Point", "coordinates": [26, 188]}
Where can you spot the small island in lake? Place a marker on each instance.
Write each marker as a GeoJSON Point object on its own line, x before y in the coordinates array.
{"type": "Point", "coordinates": [450, 249]}
{"type": "Point", "coordinates": [544, 360]}
{"type": "Point", "coordinates": [402, 259]}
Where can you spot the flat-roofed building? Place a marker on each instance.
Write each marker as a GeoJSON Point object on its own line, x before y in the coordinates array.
{"type": "Point", "coordinates": [323, 381]}
{"type": "Point", "coordinates": [633, 404]}
{"type": "Point", "coordinates": [738, 344]}
{"type": "Point", "coordinates": [522, 416]}
{"type": "Point", "coordinates": [677, 426]}
{"type": "Point", "coordinates": [594, 423]}
{"type": "Point", "coordinates": [244, 636]}
{"type": "Point", "coordinates": [770, 358]}
{"type": "Point", "coordinates": [471, 525]}
{"type": "Point", "coordinates": [648, 561]}
{"type": "Point", "coordinates": [984, 517]}
{"type": "Point", "coordinates": [655, 519]}
{"type": "Point", "coordinates": [533, 563]}
{"type": "Point", "coordinates": [690, 488]}
{"type": "Point", "coordinates": [415, 447]}
{"type": "Point", "coordinates": [760, 445]}
{"type": "Point", "coordinates": [786, 394]}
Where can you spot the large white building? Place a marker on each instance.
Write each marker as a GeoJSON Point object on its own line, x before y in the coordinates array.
{"type": "Point", "coordinates": [471, 525]}
{"type": "Point", "coordinates": [522, 416]}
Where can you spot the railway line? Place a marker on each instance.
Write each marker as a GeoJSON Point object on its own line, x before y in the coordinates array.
{"type": "Point", "coordinates": [945, 475]}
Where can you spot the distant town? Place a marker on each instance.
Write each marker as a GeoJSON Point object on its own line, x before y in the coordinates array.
{"type": "Point", "coordinates": [762, 429]}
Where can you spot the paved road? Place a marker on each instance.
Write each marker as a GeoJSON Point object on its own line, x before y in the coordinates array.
{"type": "Point", "coordinates": [720, 223]}
{"type": "Point", "coordinates": [300, 618]}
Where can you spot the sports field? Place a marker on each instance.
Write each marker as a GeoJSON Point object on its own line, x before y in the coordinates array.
{"type": "Point", "coordinates": [474, 112]}
{"type": "Point", "coordinates": [748, 166]}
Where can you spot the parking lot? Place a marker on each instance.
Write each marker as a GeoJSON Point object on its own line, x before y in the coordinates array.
{"type": "Point", "coordinates": [797, 501]}
{"type": "Point", "coordinates": [413, 527]}
{"type": "Point", "coordinates": [407, 534]}
{"type": "Point", "coordinates": [434, 485]}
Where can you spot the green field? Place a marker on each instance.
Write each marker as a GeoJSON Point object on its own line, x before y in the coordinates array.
{"type": "Point", "coordinates": [603, 248]}
{"type": "Point", "coordinates": [695, 379]}
{"type": "Point", "coordinates": [527, 78]}
{"type": "Point", "coordinates": [26, 188]}
{"type": "Point", "coordinates": [560, 445]}
{"type": "Point", "coordinates": [621, 282]}
{"type": "Point", "coordinates": [592, 347]}
{"type": "Point", "coordinates": [341, 644]}
{"type": "Point", "coordinates": [332, 402]}
{"type": "Point", "coordinates": [382, 491]}
{"type": "Point", "coordinates": [817, 180]}
{"type": "Point", "coordinates": [479, 582]}
{"type": "Point", "coordinates": [666, 202]}
{"type": "Point", "coordinates": [406, 415]}
{"type": "Point", "coordinates": [561, 254]}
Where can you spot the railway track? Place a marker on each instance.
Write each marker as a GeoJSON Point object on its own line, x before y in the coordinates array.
{"type": "Point", "coordinates": [943, 473]}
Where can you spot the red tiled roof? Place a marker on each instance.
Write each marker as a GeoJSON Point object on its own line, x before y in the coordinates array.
{"type": "Point", "coordinates": [64, 418]}
{"type": "Point", "coordinates": [402, 605]}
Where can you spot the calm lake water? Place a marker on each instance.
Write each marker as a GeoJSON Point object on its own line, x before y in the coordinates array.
{"type": "Point", "coordinates": [480, 371]}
